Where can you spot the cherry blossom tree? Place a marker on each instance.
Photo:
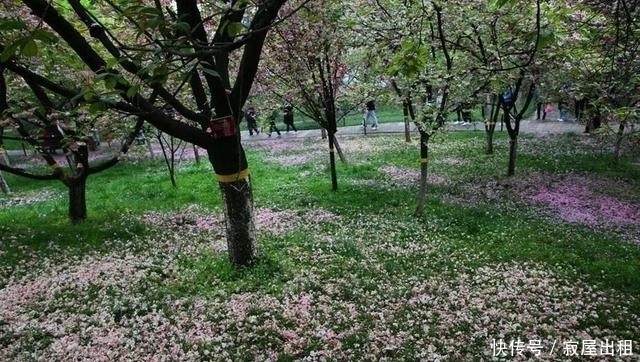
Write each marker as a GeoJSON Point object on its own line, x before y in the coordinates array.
{"type": "Point", "coordinates": [306, 65]}
{"type": "Point", "coordinates": [187, 70]}
{"type": "Point", "coordinates": [46, 120]}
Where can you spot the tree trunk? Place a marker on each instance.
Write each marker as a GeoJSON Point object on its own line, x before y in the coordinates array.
{"type": "Point", "coordinates": [237, 199]}
{"type": "Point", "coordinates": [489, 148]}
{"type": "Point", "coordinates": [229, 162]}
{"type": "Point", "coordinates": [77, 184]}
{"type": "Point", "coordinates": [77, 199]}
{"type": "Point", "coordinates": [332, 162]}
{"type": "Point", "coordinates": [513, 147]}
{"type": "Point", "coordinates": [336, 144]}
{"type": "Point", "coordinates": [424, 164]}
{"type": "Point", "coordinates": [4, 156]}
{"type": "Point", "coordinates": [618, 145]}
{"type": "Point", "coordinates": [196, 154]}
{"type": "Point", "coordinates": [4, 187]}
{"type": "Point", "coordinates": [407, 126]}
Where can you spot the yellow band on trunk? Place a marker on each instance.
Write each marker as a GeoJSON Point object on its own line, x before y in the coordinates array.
{"type": "Point", "coordinates": [238, 176]}
{"type": "Point", "coordinates": [424, 160]}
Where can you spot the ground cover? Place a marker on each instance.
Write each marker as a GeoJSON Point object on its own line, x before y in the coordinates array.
{"type": "Point", "coordinates": [494, 269]}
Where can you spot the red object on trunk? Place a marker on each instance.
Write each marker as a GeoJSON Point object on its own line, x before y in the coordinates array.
{"type": "Point", "coordinates": [223, 127]}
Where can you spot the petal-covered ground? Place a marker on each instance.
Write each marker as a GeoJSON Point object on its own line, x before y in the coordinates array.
{"type": "Point", "coordinates": [365, 285]}
{"type": "Point", "coordinates": [99, 309]}
{"type": "Point", "coordinates": [595, 202]}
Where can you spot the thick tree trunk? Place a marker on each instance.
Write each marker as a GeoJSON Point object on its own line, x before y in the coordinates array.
{"type": "Point", "coordinates": [332, 162]}
{"type": "Point", "coordinates": [77, 199]}
{"type": "Point", "coordinates": [489, 148]}
{"type": "Point", "coordinates": [513, 148]}
{"type": "Point", "coordinates": [77, 184]}
{"type": "Point", "coordinates": [229, 162]}
{"type": "Point", "coordinates": [424, 164]}
{"type": "Point", "coordinates": [237, 199]}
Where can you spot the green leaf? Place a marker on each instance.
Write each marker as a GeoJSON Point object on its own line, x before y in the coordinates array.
{"type": "Point", "coordinates": [546, 38]}
{"type": "Point", "coordinates": [183, 27]}
{"type": "Point", "coordinates": [97, 107]}
{"type": "Point", "coordinates": [44, 36]}
{"type": "Point", "coordinates": [10, 50]}
{"type": "Point", "coordinates": [112, 62]}
{"type": "Point", "coordinates": [234, 29]}
{"type": "Point", "coordinates": [133, 90]}
{"type": "Point", "coordinates": [110, 82]}
{"type": "Point", "coordinates": [30, 48]}
{"type": "Point", "coordinates": [12, 24]}
{"type": "Point", "coordinates": [501, 3]}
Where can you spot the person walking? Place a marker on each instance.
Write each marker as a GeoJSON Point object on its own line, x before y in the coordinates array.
{"type": "Point", "coordinates": [288, 118]}
{"type": "Point", "coordinates": [252, 121]}
{"type": "Point", "coordinates": [564, 111]}
{"type": "Point", "coordinates": [272, 123]}
{"type": "Point", "coordinates": [370, 115]}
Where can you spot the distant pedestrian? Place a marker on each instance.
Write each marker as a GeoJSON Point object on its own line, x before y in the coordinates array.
{"type": "Point", "coordinates": [370, 115]}
{"type": "Point", "coordinates": [252, 121]}
{"type": "Point", "coordinates": [548, 108]}
{"type": "Point", "coordinates": [564, 111]}
{"type": "Point", "coordinates": [272, 123]}
{"type": "Point", "coordinates": [288, 118]}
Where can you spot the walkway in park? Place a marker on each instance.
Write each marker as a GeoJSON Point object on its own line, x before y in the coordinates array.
{"type": "Point", "coordinates": [526, 126]}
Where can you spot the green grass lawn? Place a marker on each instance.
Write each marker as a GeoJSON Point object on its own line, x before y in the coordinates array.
{"type": "Point", "coordinates": [548, 257]}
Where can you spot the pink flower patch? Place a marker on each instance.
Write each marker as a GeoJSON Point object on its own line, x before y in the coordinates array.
{"type": "Point", "coordinates": [577, 203]}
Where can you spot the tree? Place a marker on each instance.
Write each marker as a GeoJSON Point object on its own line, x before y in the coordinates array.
{"type": "Point", "coordinates": [603, 64]}
{"type": "Point", "coordinates": [306, 65]}
{"type": "Point", "coordinates": [172, 57]}
{"type": "Point", "coordinates": [418, 55]}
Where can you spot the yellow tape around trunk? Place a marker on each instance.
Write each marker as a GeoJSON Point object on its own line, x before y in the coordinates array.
{"type": "Point", "coordinates": [238, 176]}
{"type": "Point", "coordinates": [424, 160]}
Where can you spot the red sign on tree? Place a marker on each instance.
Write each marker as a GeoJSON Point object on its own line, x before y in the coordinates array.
{"type": "Point", "coordinates": [223, 127]}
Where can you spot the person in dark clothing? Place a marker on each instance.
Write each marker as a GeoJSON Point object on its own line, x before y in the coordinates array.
{"type": "Point", "coordinates": [288, 119]}
{"type": "Point", "coordinates": [252, 121]}
{"type": "Point", "coordinates": [370, 115]}
{"type": "Point", "coordinates": [272, 123]}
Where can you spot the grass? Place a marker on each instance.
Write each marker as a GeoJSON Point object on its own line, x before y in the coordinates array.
{"type": "Point", "coordinates": [346, 275]}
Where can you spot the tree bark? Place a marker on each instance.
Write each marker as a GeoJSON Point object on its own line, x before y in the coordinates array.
{"type": "Point", "coordinates": [229, 162]}
{"type": "Point", "coordinates": [424, 164]}
{"type": "Point", "coordinates": [490, 124]}
{"type": "Point", "coordinates": [237, 199]}
{"type": "Point", "coordinates": [618, 145]}
{"type": "Point", "coordinates": [336, 144]}
{"type": "Point", "coordinates": [196, 154]}
{"type": "Point", "coordinates": [332, 162]}
{"type": "Point", "coordinates": [77, 184]}
{"type": "Point", "coordinates": [4, 157]}
{"type": "Point", "coordinates": [407, 126]}
{"type": "Point", "coordinates": [513, 148]}
{"type": "Point", "coordinates": [77, 199]}
{"type": "Point", "coordinates": [489, 147]}
{"type": "Point", "coordinates": [4, 186]}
